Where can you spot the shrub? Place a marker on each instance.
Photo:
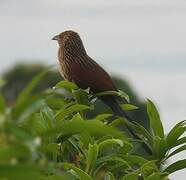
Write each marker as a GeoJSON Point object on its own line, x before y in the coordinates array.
{"type": "Point", "coordinates": [48, 136]}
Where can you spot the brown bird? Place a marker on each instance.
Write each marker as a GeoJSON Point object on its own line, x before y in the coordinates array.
{"type": "Point", "coordinates": [76, 66]}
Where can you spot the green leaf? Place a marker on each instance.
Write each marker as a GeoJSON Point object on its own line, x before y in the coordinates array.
{"type": "Point", "coordinates": [180, 141]}
{"type": "Point", "coordinates": [149, 168]}
{"type": "Point", "coordinates": [136, 126]}
{"type": "Point", "coordinates": [67, 85]}
{"type": "Point", "coordinates": [68, 111]}
{"type": "Point", "coordinates": [115, 159]}
{"type": "Point", "coordinates": [2, 104]}
{"type": "Point", "coordinates": [103, 117]}
{"type": "Point", "coordinates": [175, 133]}
{"type": "Point", "coordinates": [24, 171]}
{"type": "Point", "coordinates": [141, 130]}
{"type": "Point", "coordinates": [180, 149]}
{"type": "Point", "coordinates": [124, 95]}
{"type": "Point", "coordinates": [27, 109]}
{"type": "Point", "coordinates": [51, 148]}
{"type": "Point", "coordinates": [159, 147]}
{"type": "Point", "coordinates": [81, 96]}
{"type": "Point", "coordinates": [131, 176]}
{"type": "Point", "coordinates": [157, 176]}
{"type": "Point", "coordinates": [129, 107]}
{"type": "Point", "coordinates": [10, 151]}
{"type": "Point", "coordinates": [48, 116]}
{"type": "Point", "coordinates": [134, 159]}
{"type": "Point", "coordinates": [24, 96]}
{"type": "Point", "coordinates": [109, 176]}
{"type": "Point", "coordinates": [181, 164]}
{"type": "Point", "coordinates": [91, 157]}
{"type": "Point", "coordinates": [2, 83]}
{"type": "Point", "coordinates": [92, 127]}
{"type": "Point", "coordinates": [109, 142]}
{"type": "Point", "coordinates": [114, 93]}
{"type": "Point", "coordinates": [81, 174]}
{"type": "Point", "coordinates": [155, 121]}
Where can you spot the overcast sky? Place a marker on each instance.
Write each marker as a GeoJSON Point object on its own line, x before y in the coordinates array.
{"type": "Point", "coordinates": [141, 40]}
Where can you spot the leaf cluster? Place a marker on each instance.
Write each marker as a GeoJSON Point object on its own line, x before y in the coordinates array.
{"type": "Point", "coordinates": [48, 136]}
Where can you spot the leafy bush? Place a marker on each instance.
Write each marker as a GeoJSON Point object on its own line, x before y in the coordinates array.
{"type": "Point", "coordinates": [18, 77]}
{"type": "Point", "coordinates": [48, 136]}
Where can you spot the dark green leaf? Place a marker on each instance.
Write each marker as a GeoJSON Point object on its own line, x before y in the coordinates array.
{"type": "Point", "coordinates": [180, 149]}
{"type": "Point", "coordinates": [157, 176]}
{"type": "Point", "coordinates": [181, 164]}
{"type": "Point", "coordinates": [175, 133]}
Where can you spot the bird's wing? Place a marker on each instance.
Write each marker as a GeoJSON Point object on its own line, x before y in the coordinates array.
{"type": "Point", "coordinates": [92, 75]}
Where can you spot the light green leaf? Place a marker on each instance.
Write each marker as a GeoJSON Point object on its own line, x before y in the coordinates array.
{"type": "Point", "coordinates": [67, 111]}
{"type": "Point", "coordinates": [48, 116]}
{"type": "Point", "coordinates": [67, 85]}
{"type": "Point", "coordinates": [91, 157]}
{"type": "Point", "coordinates": [114, 159]}
{"type": "Point", "coordinates": [149, 168]}
{"type": "Point", "coordinates": [81, 174]}
{"type": "Point", "coordinates": [103, 117]}
{"type": "Point", "coordinates": [159, 147]}
{"type": "Point", "coordinates": [155, 121]}
{"type": "Point", "coordinates": [129, 107]}
{"type": "Point", "coordinates": [109, 142]}
{"type": "Point", "coordinates": [92, 127]}
{"type": "Point", "coordinates": [114, 93]}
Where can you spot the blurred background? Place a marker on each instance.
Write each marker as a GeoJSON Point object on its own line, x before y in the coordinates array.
{"type": "Point", "coordinates": [141, 42]}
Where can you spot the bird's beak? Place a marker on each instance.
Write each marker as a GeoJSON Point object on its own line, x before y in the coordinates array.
{"type": "Point", "coordinates": [56, 38]}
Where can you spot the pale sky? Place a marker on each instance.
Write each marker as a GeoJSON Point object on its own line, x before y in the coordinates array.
{"type": "Point", "coordinates": [141, 40]}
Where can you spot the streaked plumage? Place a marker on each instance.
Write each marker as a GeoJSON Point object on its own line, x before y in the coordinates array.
{"type": "Point", "coordinates": [78, 67]}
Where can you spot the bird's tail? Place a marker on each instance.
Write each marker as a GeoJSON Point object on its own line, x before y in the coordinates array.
{"type": "Point", "coordinates": [114, 103]}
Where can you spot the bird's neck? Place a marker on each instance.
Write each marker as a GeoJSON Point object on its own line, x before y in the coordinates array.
{"type": "Point", "coordinates": [71, 52]}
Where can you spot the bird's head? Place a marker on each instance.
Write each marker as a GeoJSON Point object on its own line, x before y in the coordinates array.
{"type": "Point", "coordinates": [67, 37]}
{"type": "Point", "coordinates": [71, 42]}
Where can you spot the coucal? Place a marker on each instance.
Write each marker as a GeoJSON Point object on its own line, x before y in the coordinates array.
{"type": "Point", "coordinates": [76, 66]}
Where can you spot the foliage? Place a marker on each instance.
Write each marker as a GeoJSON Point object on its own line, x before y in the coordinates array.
{"type": "Point", "coordinates": [48, 136]}
{"type": "Point", "coordinates": [18, 77]}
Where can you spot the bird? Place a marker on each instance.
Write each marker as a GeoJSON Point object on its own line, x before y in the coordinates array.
{"type": "Point", "coordinates": [78, 67]}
